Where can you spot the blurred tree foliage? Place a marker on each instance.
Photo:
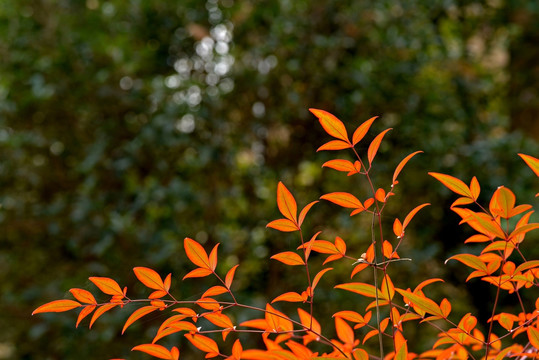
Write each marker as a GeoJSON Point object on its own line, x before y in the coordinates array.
{"type": "Point", "coordinates": [127, 125]}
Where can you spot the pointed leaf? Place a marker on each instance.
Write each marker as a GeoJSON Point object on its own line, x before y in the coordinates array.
{"type": "Point", "coordinates": [470, 260]}
{"type": "Point", "coordinates": [230, 276]}
{"type": "Point", "coordinates": [532, 162]}
{"type": "Point", "coordinates": [362, 130]}
{"type": "Point", "coordinates": [149, 277]}
{"type": "Point", "coordinates": [533, 336]}
{"type": "Point", "coordinates": [375, 144]}
{"type": "Point", "coordinates": [422, 302]}
{"type": "Point", "coordinates": [214, 290]}
{"type": "Point", "coordinates": [343, 199]}
{"type": "Point", "coordinates": [289, 296]}
{"type": "Point", "coordinates": [335, 145]}
{"type": "Point", "coordinates": [100, 311]}
{"type": "Point", "coordinates": [83, 296]}
{"type": "Point", "coordinates": [284, 225]}
{"type": "Point", "coordinates": [319, 276]}
{"type": "Point", "coordinates": [85, 312]}
{"type": "Point", "coordinates": [198, 272]}
{"type": "Point", "coordinates": [155, 350]}
{"type": "Point", "coordinates": [219, 319]}
{"type": "Point", "coordinates": [341, 165]}
{"type": "Point", "coordinates": [196, 253]}
{"type": "Point", "coordinates": [475, 189]}
{"type": "Point", "coordinates": [57, 306]}
{"type": "Point", "coordinates": [331, 124]}
{"type": "Point", "coordinates": [360, 288]}
{"type": "Point", "coordinates": [344, 331]}
{"type": "Point", "coordinates": [402, 163]}
{"type": "Point", "coordinates": [286, 203]}
{"type": "Point", "coordinates": [137, 314]}
{"type": "Point", "coordinates": [412, 213]}
{"type": "Point", "coordinates": [213, 258]}
{"type": "Point", "coordinates": [204, 343]}
{"type": "Point", "coordinates": [289, 258]}
{"type": "Point", "coordinates": [453, 184]}
{"type": "Point", "coordinates": [108, 286]}
{"type": "Point", "coordinates": [304, 212]}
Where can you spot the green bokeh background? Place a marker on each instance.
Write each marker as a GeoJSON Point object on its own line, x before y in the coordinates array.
{"type": "Point", "coordinates": [126, 126]}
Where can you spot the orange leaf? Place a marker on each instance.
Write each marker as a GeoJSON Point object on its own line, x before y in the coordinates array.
{"type": "Point", "coordinates": [453, 184]}
{"type": "Point", "coordinates": [502, 202]}
{"type": "Point", "coordinates": [237, 349]}
{"type": "Point", "coordinates": [149, 277]}
{"type": "Point", "coordinates": [57, 306]}
{"type": "Point", "coordinates": [83, 296]}
{"type": "Point", "coordinates": [219, 319]}
{"type": "Point", "coordinates": [100, 311]}
{"type": "Point", "coordinates": [335, 145]}
{"type": "Point", "coordinates": [157, 351]}
{"type": "Point", "coordinates": [331, 124]}
{"type": "Point", "coordinates": [380, 195]}
{"type": "Point", "coordinates": [214, 290]}
{"type": "Point", "coordinates": [402, 163]}
{"type": "Point", "coordinates": [343, 199]}
{"type": "Point", "coordinates": [198, 272]}
{"type": "Point", "coordinates": [196, 253]}
{"type": "Point", "coordinates": [289, 296]}
{"type": "Point", "coordinates": [397, 228]}
{"type": "Point", "coordinates": [387, 289]}
{"type": "Point", "coordinates": [344, 331]}
{"type": "Point", "coordinates": [167, 282]}
{"type": "Point", "coordinates": [286, 203]}
{"type": "Point", "coordinates": [319, 276]}
{"type": "Point", "coordinates": [341, 165]}
{"type": "Point", "coordinates": [289, 258]}
{"type": "Point", "coordinates": [204, 343]}
{"type": "Point", "coordinates": [375, 144]}
{"type": "Point", "coordinates": [475, 189]}
{"type": "Point", "coordinates": [470, 260]}
{"type": "Point", "coordinates": [137, 314]}
{"type": "Point", "coordinates": [213, 257]}
{"type": "Point", "coordinates": [484, 224]}
{"type": "Point", "coordinates": [422, 302]}
{"type": "Point", "coordinates": [85, 312]}
{"type": "Point", "coordinates": [412, 213]}
{"type": "Point", "coordinates": [309, 323]}
{"type": "Point", "coordinates": [360, 288]}
{"type": "Point", "coordinates": [532, 162]}
{"type": "Point", "coordinates": [208, 304]}
{"type": "Point", "coordinates": [284, 225]}
{"type": "Point", "coordinates": [108, 286]}
{"type": "Point", "coordinates": [360, 354]}
{"type": "Point", "coordinates": [362, 130]}
{"type": "Point", "coordinates": [304, 212]}
{"type": "Point", "coordinates": [276, 320]}
{"type": "Point", "coordinates": [533, 335]}
{"type": "Point", "coordinates": [230, 276]}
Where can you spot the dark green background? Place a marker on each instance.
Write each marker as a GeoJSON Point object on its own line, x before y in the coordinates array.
{"type": "Point", "coordinates": [126, 126]}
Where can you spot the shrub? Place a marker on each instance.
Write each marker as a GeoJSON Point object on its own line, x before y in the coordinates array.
{"type": "Point", "coordinates": [500, 228]}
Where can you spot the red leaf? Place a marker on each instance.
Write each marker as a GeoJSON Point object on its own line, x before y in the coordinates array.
{"type": "Point", "coordinates": [343, 199]}
{"type": "Point", "coordinates": [149, 277]}
{"type": "Point", "coordinates": [375, 144]}
{"type": "Point", "coordinates": [57, 306]}
{"type": "Point", "coordinates": [402, 163]}
{"type": "Point", "coordinates": [331, 124]}
{"type": "Point", "coordinates": [108, 286]}
{"type": "Point", "coordinates": [362, 130]}
{"type": "Point", "coordinates": [289, 258]}
{"type": "Point", "coordinates": [286, 203]}
{"type": "Point", "coordinates": [196, 253]}
{"type": "Point", "coordinates": [83, 296]}
{"type": "Point", "coordinates": [230, 276]}
{"type": "Point", "coordinates": [453, 184]}
{"type": "Point", "coordinates": [137, 314]}
{"type": "Point", "coordinates": [335, 145]}
{"type": "Point", "coordinates": [284, 225]}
